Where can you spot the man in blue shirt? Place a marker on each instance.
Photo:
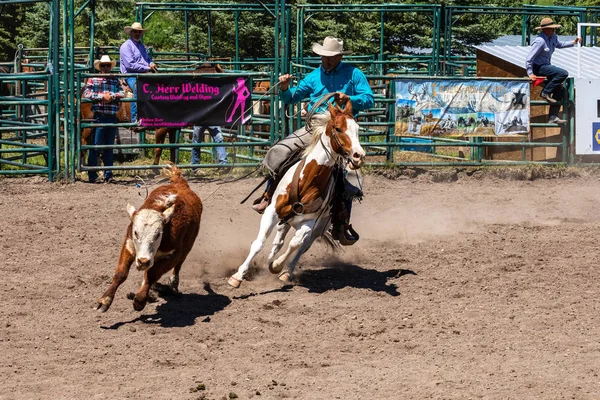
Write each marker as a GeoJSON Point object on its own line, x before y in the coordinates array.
{"type": "Point", "coordinates": [135, 60]}
{"type": "Point", "coordinates": [538, 64]}
{"type": "Point", "coordinates": [333, 76]}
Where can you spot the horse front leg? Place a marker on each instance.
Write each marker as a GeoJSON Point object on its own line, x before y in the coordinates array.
{"type": "Point", "coordinates": [282, 230]}
{"type": "Point", "coordinates": [159, 135]}
{"type": "Point", "coordinates": [86, 138]}
{"type": "Point", "coordinates": [298, 245]}
{"type": "Point", "coordinates": [173, 139]}
{"type": "Point", "coordinates": [267, 223]}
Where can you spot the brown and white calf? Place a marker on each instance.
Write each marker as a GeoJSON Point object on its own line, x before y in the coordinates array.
{"type": "Point", "coordinates": [159, 238]}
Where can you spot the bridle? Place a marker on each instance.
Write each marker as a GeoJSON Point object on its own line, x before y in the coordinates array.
{"type": "Point", "coordinates": [334, 133]}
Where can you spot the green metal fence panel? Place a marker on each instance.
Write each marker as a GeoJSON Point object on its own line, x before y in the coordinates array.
{"type": "Point", "coordinates": [246, 142]}
{"type": "Point", "coordinates": [28, 121]}
{"type": "Point", "coordinates": [54, 134]}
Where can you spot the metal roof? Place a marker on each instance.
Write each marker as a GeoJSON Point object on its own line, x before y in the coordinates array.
{"type": "Point", "coordinates": [563, 58]}
{"type": "Point", "coordinates": [515, 40]}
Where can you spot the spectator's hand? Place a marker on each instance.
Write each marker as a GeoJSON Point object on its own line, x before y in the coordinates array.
{"type": "Point", "coordinates": [284, 81]}
{"type": "Point", "coordinates": [577, 40]}
{"type": "Point", "coordinates": [533, 77]}
{"type": "Point", "coordinates": [153, 67]}
{"type": "Point", "coordinates": [341, 98]}
{"type": "Point", "coordinates": [106, 96]}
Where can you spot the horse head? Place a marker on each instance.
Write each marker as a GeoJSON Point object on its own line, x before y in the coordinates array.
{"type": "Point", "coordinates": [342, 131]}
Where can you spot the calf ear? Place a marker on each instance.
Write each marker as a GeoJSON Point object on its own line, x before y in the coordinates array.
{"type": "Point", "coordinates": [130, 211]}
{"type": "Point", "coordinates": [168, 213]}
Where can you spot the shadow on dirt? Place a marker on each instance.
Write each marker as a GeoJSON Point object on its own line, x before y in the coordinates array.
{"type": "Point", "coordinates": [181, 310]}
{"type": "Point", "coordinates": [339, 275]}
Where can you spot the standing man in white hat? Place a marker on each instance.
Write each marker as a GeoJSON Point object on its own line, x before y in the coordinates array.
{"type": "Point", "coordinates": [135, 59]}
{"type": "Point", "coordinates": [105, 92]}
{"type": "Point", "coordinates": [333, 76]}
{"type": "Point", "coordinates": [538, 64]}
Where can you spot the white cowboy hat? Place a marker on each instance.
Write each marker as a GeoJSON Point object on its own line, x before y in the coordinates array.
{"type": "Point", "coordinates": [136, 26]}
{"type": "Point", "coordinates": [331, 47]}
{"type": "Point", "coordinates": [547, 23]}
{"type": "Point", "coordinates": [105, 59]}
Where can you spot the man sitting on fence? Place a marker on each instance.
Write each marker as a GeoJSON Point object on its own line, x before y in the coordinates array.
{"type": "Point", "coordinates": [538, 63]}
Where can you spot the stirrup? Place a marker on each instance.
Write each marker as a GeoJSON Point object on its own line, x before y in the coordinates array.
{"type": "Point", "coordinates": [344, 234]}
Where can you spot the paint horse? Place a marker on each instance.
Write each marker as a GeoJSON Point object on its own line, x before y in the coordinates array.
{"type": "Point", "coordinates": [303, 197]}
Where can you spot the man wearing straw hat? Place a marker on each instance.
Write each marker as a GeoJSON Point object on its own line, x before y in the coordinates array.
{"type": "Point", "coordinates": [538, 64]}
{"type": "Point", "coordinates": [105, 92]}
{"type": "Point", "coordinates": [333, 76]}
{"type": "Point", "coordinates": [135, 59]}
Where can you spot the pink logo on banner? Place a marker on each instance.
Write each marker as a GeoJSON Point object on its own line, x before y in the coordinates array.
{"type": "Point", "coordinates": [242, 93]}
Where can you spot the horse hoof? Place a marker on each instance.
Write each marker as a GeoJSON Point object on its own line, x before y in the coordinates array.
{"type": "Point", "coordinates": [285, 277]}
{"type": "Point", "coordinates": [234, 282]}
{"type": "Point", "coordinates": [275, 269]}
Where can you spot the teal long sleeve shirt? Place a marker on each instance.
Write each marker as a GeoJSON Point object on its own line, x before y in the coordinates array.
{"type": "Point", "coordinates": [344, 78]}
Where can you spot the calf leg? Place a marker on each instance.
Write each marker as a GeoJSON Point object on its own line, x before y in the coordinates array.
{"type": "Point", "coordinates": [174, 279]}
{"type": "Point", "coordinates": [125, 261]}
{"type": "Point", "coordinates": [267, 223]}
{"type": "Point", "coordinates": [151, 276]}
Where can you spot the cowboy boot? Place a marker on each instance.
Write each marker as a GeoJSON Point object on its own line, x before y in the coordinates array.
{"type": "Point", "coordinates": [345, 234]}
{"type": "Point", "coordinates": [260, 205]}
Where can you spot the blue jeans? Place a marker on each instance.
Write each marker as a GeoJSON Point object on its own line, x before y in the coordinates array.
{"type": "Point", "coordinates": [103, 136]}
{"type": "Point", "coordinates": [198, 137]}
{"type": "Point", "coordinates": [555, 77]}
{"type": "Point", "coordinates": [132, 85]}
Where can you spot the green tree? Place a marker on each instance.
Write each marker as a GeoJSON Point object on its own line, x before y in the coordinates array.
{"type": "Point", "coordinates": [34, 31]}
{"type": "Point", "coordinates": [11, 17]}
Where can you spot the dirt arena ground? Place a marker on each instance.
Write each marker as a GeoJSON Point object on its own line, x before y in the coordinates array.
{"type": "Point", "coordinates": [462, 287]}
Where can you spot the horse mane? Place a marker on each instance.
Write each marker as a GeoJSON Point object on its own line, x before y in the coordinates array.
{"type": "Point", "coordinates": [318, 124]}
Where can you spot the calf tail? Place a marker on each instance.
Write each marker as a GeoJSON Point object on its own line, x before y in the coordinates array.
{"type": "Point", "coordinates": [173, 173]}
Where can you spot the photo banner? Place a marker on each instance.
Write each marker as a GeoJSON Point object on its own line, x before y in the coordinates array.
{"type": "Point", "coordinates": [461, 107]}
{"type": "Point", "coordinates": [178, 101]}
